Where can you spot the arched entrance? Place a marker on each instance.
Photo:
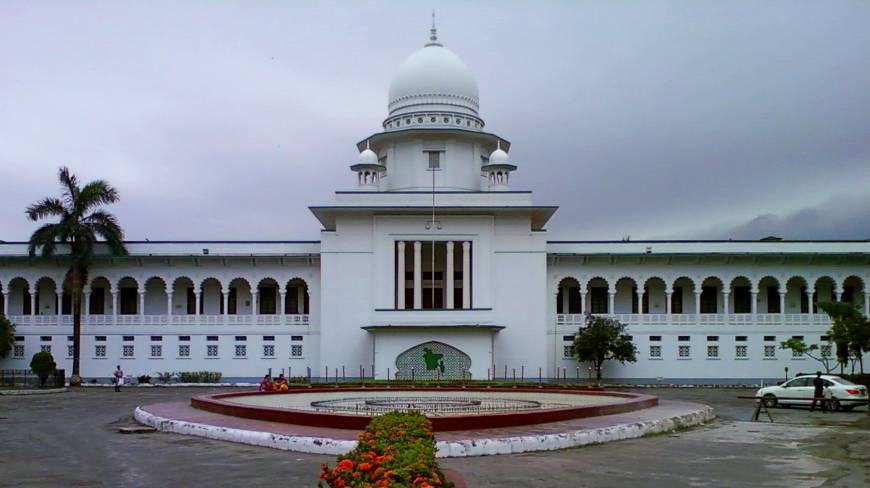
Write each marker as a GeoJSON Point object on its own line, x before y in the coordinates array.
{"type": "Point", "coordinates": [432, 360]}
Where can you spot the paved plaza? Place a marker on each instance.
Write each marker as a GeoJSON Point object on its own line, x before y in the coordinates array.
{"type": "Point", "coordinates": [71, 439]}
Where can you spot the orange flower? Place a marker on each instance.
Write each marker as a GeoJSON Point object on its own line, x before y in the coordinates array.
{"type": "Point", "coordinates": [365, 466]}
{"type": "Point", "coordinates": [345, 464]}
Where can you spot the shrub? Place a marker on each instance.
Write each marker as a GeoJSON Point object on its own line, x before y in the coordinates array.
{"type": "Point", "coordinates": [7, 336]}
{"type": "Point", "coordinates": [165, 377]}
{"type": "Point", "coordinates": [42, 365]}
{"type": "Point", "coordinates": [396, 449]}
{"type": "Point", "coordinates": [199, 376]}
{"type": "Point", "coordinates": [143, 378]}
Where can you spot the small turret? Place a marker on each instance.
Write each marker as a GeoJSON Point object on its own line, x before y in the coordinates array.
{"type": "Point", "coordinates": [368, 169]}
{"type": "Point", "coordinates": [498, 169]}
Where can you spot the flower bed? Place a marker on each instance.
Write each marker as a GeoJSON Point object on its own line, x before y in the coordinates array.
{"type": "Point", "coordinates": [396, 449]}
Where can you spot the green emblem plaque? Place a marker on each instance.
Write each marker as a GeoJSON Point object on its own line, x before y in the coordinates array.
{"type": "Point", "coordinates": [432, 360]}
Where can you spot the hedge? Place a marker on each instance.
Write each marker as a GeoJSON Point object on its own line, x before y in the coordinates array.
{"type": "Point", "coordinates": [396, 449]}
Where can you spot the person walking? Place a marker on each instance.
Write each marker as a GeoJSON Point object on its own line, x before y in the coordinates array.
{"type": "Point", "coordinates": [819, 393]}
{"type": "Point", "coordinates": [118, 378]}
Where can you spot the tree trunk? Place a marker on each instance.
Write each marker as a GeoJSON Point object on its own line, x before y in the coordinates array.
{"type": "Point", "coordinates": [598, 372]}
{"type": "Point", "coordinates": [76, 285]}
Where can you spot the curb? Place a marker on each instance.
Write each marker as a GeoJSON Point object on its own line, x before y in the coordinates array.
{"type": "Point", "coordinates": [465, 448]}
{"type": "Point", "coordinates": [47, 391]}
{"type": "Point", "coordinates": [174, 385]}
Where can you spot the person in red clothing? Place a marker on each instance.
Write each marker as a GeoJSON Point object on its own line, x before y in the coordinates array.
{"type": "Point", "coordinates": [266, 383]}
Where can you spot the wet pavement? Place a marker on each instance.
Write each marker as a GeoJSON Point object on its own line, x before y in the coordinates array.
{"type": "Point", "coordinates": [71, 439]}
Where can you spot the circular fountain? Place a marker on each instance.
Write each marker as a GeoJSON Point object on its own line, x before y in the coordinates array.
{"type": "Point", "coordinates": [448, 408]}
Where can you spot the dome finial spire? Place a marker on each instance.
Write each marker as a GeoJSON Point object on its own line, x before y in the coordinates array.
{"type": "Point", "coordinates": [433, 33]}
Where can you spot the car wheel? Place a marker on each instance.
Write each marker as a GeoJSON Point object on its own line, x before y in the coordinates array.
{"type": "Point", "coordinates": [847, 408]}
{"type": "Point", "coordinates": [833, 404]}
{"type": "Point", "coordinates": [769, 401]}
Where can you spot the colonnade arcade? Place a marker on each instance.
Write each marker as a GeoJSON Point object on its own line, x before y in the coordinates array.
{"type": "Point", "coordinates": [433, 274]}
{"type": "Point", "coordinates": [707, 295]}
{"type": "Point", "coordinates": [158, 295]}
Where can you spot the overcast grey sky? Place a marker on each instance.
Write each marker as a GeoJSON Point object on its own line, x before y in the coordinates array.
{"type": "Point", "coordinates": [655, 119]}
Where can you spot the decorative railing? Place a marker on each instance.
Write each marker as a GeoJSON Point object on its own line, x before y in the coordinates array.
{"type": "Point", "coordinates": [150, 320]}
{"type": "Point", "coordinates": [703, 319]}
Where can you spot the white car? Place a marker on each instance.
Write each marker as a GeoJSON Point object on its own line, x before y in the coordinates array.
{"type": "Point", "coordinates": [841, 393]}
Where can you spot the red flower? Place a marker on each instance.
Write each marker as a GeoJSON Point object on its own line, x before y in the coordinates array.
{"type": "Point", "coordinates": [344, 464]}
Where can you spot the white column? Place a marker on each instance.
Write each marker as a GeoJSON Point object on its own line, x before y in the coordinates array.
{"type": "Point", "coordinates": [668, 303]}
{"type": "Point", "coordinates": [466, 274]}
{"type": "Point", "coordinates": [867, 303]}
{"type": "Point", "coordinates": [782, 302]}
{"type": "Point", "coordinates": [753, 301]}
{"type": "Point", "coordinates": [197, 300]}
{"type": "Point", "coordinates": [255, 294]}
{"type": "Point", "coordinates": [418, 275]}
{"type": "Point", "coordinates": [725, 299]}
{"type": "Point", "coordinates": [611, 301]}
{"type": "Point", "coordinates": [400, 275]}
{"type": "Point", "coordinates": [448, 270]}
{"type": "Point", "coordinates": [225, 296]}
{"type": "Point", "coordinates": [697, 303]}
{"type": "Point", "coordinates": [58, 305]}
{"type": "Point", "coordinates": [810, 294]}
{"type": "Point", "coordinates": [837, 295]}
{"type": "Point", "coordinates": [640, 302]}
{"type": "Point", "coordinates": [566, 302]}
{"type": "Point", "coordinates": [582, 300]}
{"type": "Point", "coordinates": [114, 303]}
{"type": "Point", "coordinates": [86, 303]}
{"type": "Point", "coordinates": [141, 302]}
{"type": "Point", "coordinates": [282, 304]}
{"type": "Point", "coordinates": [33, 302]}
{"type": "Point", "coordinates": [169, 302]}
{"type": "Point", "coordinates": [300, 300]}
{"type": "Point", "coordinates": [6, 302]}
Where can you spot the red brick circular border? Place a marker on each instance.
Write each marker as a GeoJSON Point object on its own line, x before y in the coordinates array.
{"type": "Point", "coordinates": [627, 402]}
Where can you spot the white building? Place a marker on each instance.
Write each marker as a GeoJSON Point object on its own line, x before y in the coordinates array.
{"type": "Point", "coordinates": [495, 295]}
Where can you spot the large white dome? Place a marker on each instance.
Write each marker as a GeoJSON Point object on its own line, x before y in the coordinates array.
{"type": "Point", "coordinates": [434, 71]}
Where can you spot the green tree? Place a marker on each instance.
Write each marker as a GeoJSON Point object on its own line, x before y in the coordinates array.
{"type": "Point", "coordinates": [7, 336]}
{"type": "Point", "coordinates": [42, 365]}
{"type": "Point", "coordinates": [850, 329]}
{"type": "Point", "coordinates": [802, 348]}
{"type": "Point", "coordinates": [74, 238]}
{"type": "Point", "coordinates": [603, 339]}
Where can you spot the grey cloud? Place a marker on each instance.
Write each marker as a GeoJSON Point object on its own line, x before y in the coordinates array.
{"type": "Point", "coordinates": [225, 121]}
{"type": "Point", "coordinates": [844, 217]}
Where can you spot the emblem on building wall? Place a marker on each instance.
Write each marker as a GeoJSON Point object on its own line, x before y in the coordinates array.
{"type": "Point", "coordinates": [432, 360]}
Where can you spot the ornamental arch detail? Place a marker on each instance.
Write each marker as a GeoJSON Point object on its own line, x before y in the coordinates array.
{"type": "Point", "coordinates": [432, 360]}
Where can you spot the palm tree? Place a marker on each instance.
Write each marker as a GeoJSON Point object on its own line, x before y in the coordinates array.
{"type": "Point", "coordinates": [82, 220]}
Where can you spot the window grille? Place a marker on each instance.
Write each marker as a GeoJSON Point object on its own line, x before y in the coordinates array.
{"type": "Point", "coordinates": [712, 352]}
{"type": "Point", "coordinates": [684, 351]}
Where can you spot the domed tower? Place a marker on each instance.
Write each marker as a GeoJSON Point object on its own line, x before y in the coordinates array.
{"type": "Point", "coordinates": [433, 137]}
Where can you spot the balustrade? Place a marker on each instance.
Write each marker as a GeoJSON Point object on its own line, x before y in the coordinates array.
{"type": "Point", "coordinates": [162, 320]}
{"type": "Point", "coordinates": [776, 319]}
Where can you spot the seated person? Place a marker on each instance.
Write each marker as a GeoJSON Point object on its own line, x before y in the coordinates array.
{"type": "Point", "coordinates": [266, 383]}
{"type": "Point", "coordinates": [281, 383]}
